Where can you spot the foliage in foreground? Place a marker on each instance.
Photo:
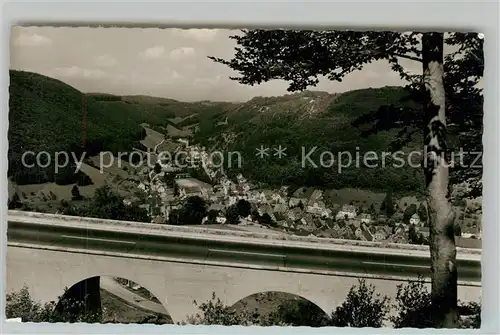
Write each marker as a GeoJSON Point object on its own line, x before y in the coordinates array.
{"type": "Point", "coordinates": [106, 204]}
{"type": "Point", "coordinates": [20, 304]}
{"type": "Point", "coordinates": [363, 307]}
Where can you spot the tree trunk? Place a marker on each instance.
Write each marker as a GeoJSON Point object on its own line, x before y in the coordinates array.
{"type": "Point", "coordinates": [441, 215]}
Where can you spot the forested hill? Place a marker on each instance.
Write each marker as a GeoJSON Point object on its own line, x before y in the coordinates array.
{"type": "Point", "coordinates": [303, 121]}
{"type": "Point", "coordinates": [46, 114]}
{"type": "Point", "coordinates": [49, 115]}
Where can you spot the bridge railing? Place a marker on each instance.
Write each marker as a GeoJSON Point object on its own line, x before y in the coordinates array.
{"type": "Point", "coordinates": [172, 243]}
{"type": "Point", "coordinates": [150, 228]}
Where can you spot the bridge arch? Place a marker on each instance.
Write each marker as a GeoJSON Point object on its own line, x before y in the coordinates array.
{"type": "Point", "coordinates": [86, 291]}
{"type": "Point", "coordinates": [289, 308]}
{"type": "Point", "coordinates": [284, 295]}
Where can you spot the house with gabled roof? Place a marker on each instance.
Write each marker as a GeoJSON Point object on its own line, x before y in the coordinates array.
{"type": "Point", "coordinates": [283, 191]}
{"type": "Point", "coordinates": [279, 216]}
{"type": "Point", "coordinates": [264, 209]}
{"type": "Point", "coordinates": [303, 193]}
{"type": "Point", "coordinates": [367, 234]}
{"type": "Point", "coordinates": [295, 202]}
{"type": "Point", "coordinates": [424, 231]}
{"type": "Point", "coordinates": [240, 179]}
{"type": "Point", "coordinates": [306, 222]}
{"type": "Point", "coordinates": [354, 222]}
{"type": "Point", "coordinates": [400, 229]}
{"type": "Point", "coordinates": [347, 211]}
{"type": "Point", "coordinates": [344, 229]}
{"type": "Point", "coordinates": [365, 218]}
{"type": "Point", "coordinates": [315, 196]}
{"type": "Point", "coordinates": [280, 208]}
{"type": "Point", "coordinates": [329, 222]}
{"type": "Point", "coordinates": [415, 219]}
{"type": "Point", "coordinates": [284, 224]}
{"type": "Point", "coordinates": [469, 232]}
{"type": "Point", "coordinates": [295, 213]}
{"type": "Point", "coordinates": [314, 209]}
{"type": "Point", "coordinates": [216, 207]}
{"type": "Point", "coordinates": [380, 234]}
{"type": "Point", "coordinates": [336, 227]}
{"type": "Point", "coordinates": [143, 186]}
{"type": "Point", "coordinates": [357, 231]}
{"type": "Point", "coordinates": [268, 195]}
{"type": "Point", "coordinates": [278, 199]}
{"type": "Point", "coordinates": [291, 224]}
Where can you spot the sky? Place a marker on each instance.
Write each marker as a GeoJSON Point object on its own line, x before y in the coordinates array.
{"type": "Point", "coordinates": [170, 63]}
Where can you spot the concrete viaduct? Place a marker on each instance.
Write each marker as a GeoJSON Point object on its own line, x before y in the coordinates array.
{"type": "Point", "coordinates": [178, 265]}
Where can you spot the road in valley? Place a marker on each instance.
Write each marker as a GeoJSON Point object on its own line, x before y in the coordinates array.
{"type": "Point", "coordinates": [112, 286]}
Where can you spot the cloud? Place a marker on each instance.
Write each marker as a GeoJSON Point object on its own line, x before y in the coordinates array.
{"type": "Point", "coordinates": [175, 75]}
{"type": "Point", "coordinates": [76, 71]}
{"type": "Point", "coordinates": [179, 53]}
{"type": "Point", "coordinates": [153, 52]}
{"type": "Point", "coordinates": [165, 77]}
{"type": "Point", "coordinates": [34, 40]}
{"type": "Point", "coordinates": [169, 78]}
{"type": "Point", "coordinates": [207, 81]}
{"type": "Point", "coordinates": [105, 61]}
{"type": "Point", "coordinates": [202, 35]}
{"type": "Point", "coordinates": [372, 74]}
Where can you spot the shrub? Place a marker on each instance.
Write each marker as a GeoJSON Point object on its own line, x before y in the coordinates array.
{"type": "Point", "coordinates": [75, 193]}
{"type": "Point", "coordinates": [232, 215]}
{"type": "Point", "coordinates": [413, 303]}
{"type": "Point", "coordinates": [297, 312]}
{"type": "Point", "coordinates": [362, 308]}
{"type": "Point", "coordinates": [244, 208]}
{"type": "Point", "coordinates": [214, 312]}
{"type": "Point", "coordinates": [14, 202]}
{"type": "Point", "coordinates": [21, 305]}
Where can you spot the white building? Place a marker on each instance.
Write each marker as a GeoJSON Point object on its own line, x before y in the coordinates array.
{"type": "Point", "coordinates": [347, 211]}
{"type": "Point", "coordinates": [366, 218]}
{"type": "Point", "coordinates": [415, 219]}
{"type": "Point", "coordinates": [221, 220]}
{"type": "Point", "coordinates": [142, 186]}
{"type": "Point", "coordinates": [184, 141]}
{"type": "Point", "coordinates": [240, 179]}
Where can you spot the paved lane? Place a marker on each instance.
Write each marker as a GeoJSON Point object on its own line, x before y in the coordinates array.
{"type": "Point", "coordinates": [234, 250]}
{"type": "Point", "coordinates": [112, 286]}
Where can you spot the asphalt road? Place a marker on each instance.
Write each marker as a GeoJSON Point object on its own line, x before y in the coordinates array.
{"type": "Point", "coordinates": [216, 249]}
{"type": "Point", "coordinates": [112, 286]}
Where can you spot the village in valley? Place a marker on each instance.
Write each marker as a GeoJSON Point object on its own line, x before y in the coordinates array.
{"type": "Point", "coordinates": [221, 199]}
{"type": "Point", "coordinates": [236, 203]}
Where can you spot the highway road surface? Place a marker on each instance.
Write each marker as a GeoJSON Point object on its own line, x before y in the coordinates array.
{"type": "Point", "coordinates": [113, 287]}
{"type": "Point", "coordinates": [213, 248]}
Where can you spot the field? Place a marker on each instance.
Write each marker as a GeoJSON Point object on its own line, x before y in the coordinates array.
{"type": "Point", "coordinates": [346, 195]}
{"type": "Point", "coordinates": [120, 175]}
{"type": "Point", "coordinates": [152, 138]}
